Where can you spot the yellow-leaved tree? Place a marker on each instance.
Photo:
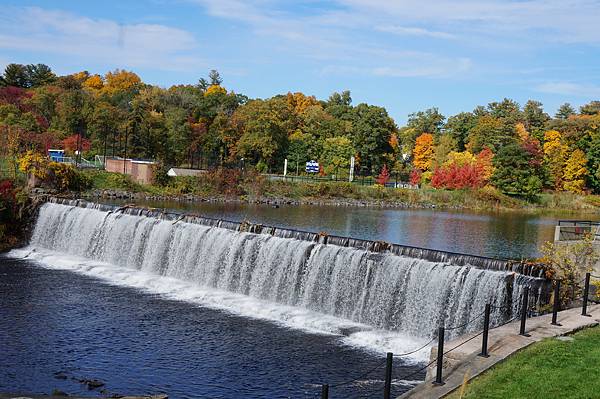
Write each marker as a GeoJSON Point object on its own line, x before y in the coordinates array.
{"type": "Point", "coordinates": [215, 89]}
{"type": "Point", "coordinates": [298, 102]}
{"type": "Point", "coordinates": [555, 154]}
{"type": "Point", "coordinates": [423, 152]}
{"type": "Point", "coordinates": [460, 158]}
{"type": "Point", "coordinates": [94, 82]}
{"type": "Point", "coordinates": [575, 172]}
{"type": "Point", "coordinates": [120, 81]}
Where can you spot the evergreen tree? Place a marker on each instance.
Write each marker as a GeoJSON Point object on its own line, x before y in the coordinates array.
{"type": "Point", "coordinates": [514, 174]}
{"type": "Point", "coordinates": [564, 111]}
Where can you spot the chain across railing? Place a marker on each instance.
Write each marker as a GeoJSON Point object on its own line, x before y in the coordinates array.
{"type": "Point", "coordinates": [440, 336]}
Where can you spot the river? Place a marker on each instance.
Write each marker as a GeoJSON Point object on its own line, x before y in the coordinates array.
{"type": "Point", "coordinates": [81, 303]}
{"type": "Point", "coordinates": [502, 234]}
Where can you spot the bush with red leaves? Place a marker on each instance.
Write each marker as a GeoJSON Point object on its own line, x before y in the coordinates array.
{"type": "Point", "coordinates": [415, 177]}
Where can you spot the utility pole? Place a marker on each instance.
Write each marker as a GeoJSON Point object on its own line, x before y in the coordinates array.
{"type": "Point", "coordinates": [125, 157]}
{"type": "Point", "coordinates": [104, 157]}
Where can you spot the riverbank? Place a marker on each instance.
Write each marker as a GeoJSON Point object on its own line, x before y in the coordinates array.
{"type": "Point", "coordinates": [559, 367]}
{"type": "Point", "coordinates": [222, 186]}
{"type": "Point", "coordinates": [551, 361]}
{"type": "Point", "coordinates": [17, 211]}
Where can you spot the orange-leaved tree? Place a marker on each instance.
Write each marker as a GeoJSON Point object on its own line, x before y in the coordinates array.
{"type": "Point", "coordinates": [423, 152]}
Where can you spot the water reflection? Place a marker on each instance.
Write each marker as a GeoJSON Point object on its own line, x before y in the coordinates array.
{"type": "Point", "coordinates": [495, 234]}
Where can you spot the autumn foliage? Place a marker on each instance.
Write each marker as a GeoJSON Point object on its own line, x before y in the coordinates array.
{"type": "Point", "coordinates": [474, 173]}
{"type": "Point", "coordinates": [70, 143]}
{"type": "Point", "coordinates": [384, 176]}
{"type": "Point", "coordinates": [423, 152]}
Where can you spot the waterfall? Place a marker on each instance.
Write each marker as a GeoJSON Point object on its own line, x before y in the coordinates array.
{"type": "Point", "coordinates": [383, 290]}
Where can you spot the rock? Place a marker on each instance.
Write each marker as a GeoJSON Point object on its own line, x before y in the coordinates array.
{"type": "Point", "coordinates": [58, 392]}
{"type": "Point", "coordinates": [92, 384]}
{"type": "Point", "coordinates": [60, 375]}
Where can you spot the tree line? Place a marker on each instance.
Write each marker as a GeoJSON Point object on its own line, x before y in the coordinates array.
{"type": "Point", "coordinates": [519, 150]}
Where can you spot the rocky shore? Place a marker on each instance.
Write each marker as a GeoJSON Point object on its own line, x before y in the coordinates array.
{"type": "Point", "coordinates": [189, 198]}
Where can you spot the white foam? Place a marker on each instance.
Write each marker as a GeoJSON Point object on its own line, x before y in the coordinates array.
{"type": "Point", "coordinates": [350, 333]}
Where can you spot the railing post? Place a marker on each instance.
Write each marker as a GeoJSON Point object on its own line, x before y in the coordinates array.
{"type": "Point", "coordinates": [486, 330]}
{"type": "Point", "coordinates": [556, 306]}
{"type": "Point", "coordinates": [586, 292]}
{"type": "Point", "coordinates": [325, 391]}
{"type": "Point", "coordinates": [440, 357]}
{"type": "Point", "coordinates": [524, 309]}
{"type": "Point", "coordinates": [387, 389]}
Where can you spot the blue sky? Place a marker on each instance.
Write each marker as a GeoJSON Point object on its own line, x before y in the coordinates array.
{"type": "Point", "coordinates": [405, 55]}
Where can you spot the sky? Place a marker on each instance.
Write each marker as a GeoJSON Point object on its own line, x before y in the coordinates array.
{"type": "Point", "coordinates": [405, 55]}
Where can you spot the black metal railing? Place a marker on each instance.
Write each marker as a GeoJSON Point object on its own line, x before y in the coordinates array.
{"type": "Point", "coordinates": [440, 335]}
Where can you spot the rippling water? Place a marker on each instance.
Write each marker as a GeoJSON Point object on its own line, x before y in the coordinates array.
{"type": "Point", "coordinates": [54, 321]}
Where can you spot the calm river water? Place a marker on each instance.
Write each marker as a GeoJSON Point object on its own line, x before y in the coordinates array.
{"type": "Point", "coordinates": [504, 234]}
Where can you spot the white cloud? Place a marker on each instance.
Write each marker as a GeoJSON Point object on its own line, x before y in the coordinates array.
{"type": "Point", "coordinates": [128, 45]}
{"type": "Point", "coordinates": [574, 21]}
{"type": "Point", "coordinates": [569, 89]}
{"type": "Point", "coordinates": [337, 38]}
{"type": "Point", "coordinates": [412, 31]}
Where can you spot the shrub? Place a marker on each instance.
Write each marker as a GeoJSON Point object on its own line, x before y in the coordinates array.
{"type": "Point", "coordinates": [222, 180]}
{"type": "Point", "coordinates": [120, 181]}
{"type": "Point", "coordinates": [65, 177]}
{"type": "Point", "coordinates": [569, 262]}
{"type": "Point", "coordinates": [183, 184]}
{"type": "Point", "coordinates": [35, 164]}
{"type": "Point", "coordinates": [159, 174]}
{"type": "Point", "coordinates": [415, 177]}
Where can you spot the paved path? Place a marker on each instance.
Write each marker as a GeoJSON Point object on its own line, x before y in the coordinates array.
{"type": "Point", "coordinates": [503, 342]}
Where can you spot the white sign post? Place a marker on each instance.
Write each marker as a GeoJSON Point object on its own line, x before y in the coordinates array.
{"type": "Point", "coordinates": [285, 168]}
{"type": "Point", "coordinates": [351, 175]}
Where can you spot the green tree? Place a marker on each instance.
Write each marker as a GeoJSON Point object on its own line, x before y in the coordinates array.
{"type": "Point", "coordinates": [593, 155]}
{"type": "Point", "coordinates": [264, 126]}
{"type": "Point", "coordinates": [513, 173]}
{"type": "Point", "coordinates": [591, 108]}
{"type": "Point", "coordinates": [300, 149]}
{"type": "Point", "coordinates": [215, 78]}
{"type": "Point", "coordinates": [535, 118]}
{"type": "Point", "coordinates": [336, 155]}
{"type": "Point", "coordinates": [372, 130]}
{"type": "Point", "coordinates": [459, 126]}
{"type": "Point", "coordinates": [103, 124]}
{"type": "Point", "coordinates": [39, 75]}
{"type": "Point", "coordinates": [428, 121]}
{"type": "Point", "coordinates": [445, 144]}
{"type": "Point", "coordinates": [564, 111]}
{"type": "Point", "coordinates": [490, 132]}
{"type": "Point", "coordinates": [15, 75]}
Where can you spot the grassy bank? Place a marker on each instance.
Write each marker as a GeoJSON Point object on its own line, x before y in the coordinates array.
{"type": "Point", "coordinates": [252, 187]}
{"type": "Point", "coordinates": [547, 369]}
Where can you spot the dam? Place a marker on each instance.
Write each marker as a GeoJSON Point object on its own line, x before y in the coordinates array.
{"type": "Point", "coordinates": [374, 295]}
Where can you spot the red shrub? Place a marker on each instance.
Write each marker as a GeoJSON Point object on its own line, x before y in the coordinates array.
{"type": "Point", "coordinates": [384, 176]}
{"type": "Point", "coordinates": [415, 177]}
{"type": "Point", "coordinates": [458, 177]}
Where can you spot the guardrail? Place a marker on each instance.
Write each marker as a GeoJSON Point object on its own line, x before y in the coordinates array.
{"type": "Point", "coordinates": [573, 230]}
{"type": "Point", "coordinates": [523, 315]}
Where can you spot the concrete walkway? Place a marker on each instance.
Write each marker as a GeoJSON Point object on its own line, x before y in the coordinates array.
{"type": "Point", "coordinates": [503, 342]}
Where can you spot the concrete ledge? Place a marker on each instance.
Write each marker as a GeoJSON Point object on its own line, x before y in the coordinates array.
{"type": "Point", "coordinates": [503, 341]}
